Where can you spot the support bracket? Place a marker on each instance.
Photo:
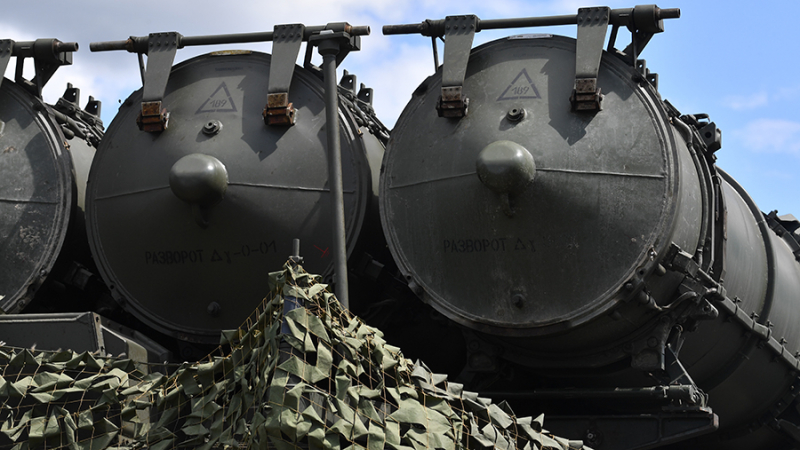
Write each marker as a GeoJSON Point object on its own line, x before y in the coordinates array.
{"type": "Point", "coordinates": [285, 49]}
{"type": "Point", "coordinates": [48, 55]}
{"type": "Point", "coordinates": [161, 50]}
{"type": "Point", "coordinates": [459, 33]}
{"type": "Point", "coordinates": [592, 27]}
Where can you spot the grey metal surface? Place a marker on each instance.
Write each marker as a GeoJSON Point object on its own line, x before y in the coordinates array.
{"type": "Point", "coordinates": [162, 265]}
{"type": "Point", "coordinates": [79, 332]}
{"type": "Point", "coordinates": [285, 47]}
{"type": "Point", "coordinates": [602, 208]}
{"type": "Point", "coordinates": [35, 195]}
{"type": "Point", "coordinates": [160, 55]}
{"type": "Point", "coordinates": [329, 49]}
{"type": "Point", "coordinates": [747, 360]}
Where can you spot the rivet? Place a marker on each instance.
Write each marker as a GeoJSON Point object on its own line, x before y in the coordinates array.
{"type": "Point", "coordinates": [515, 114]}
{"type": "Point", "coordinates": [212, 127]}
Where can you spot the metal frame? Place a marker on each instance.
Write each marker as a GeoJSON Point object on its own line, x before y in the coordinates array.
{"type": "Point", "coordinates": [458, 31]}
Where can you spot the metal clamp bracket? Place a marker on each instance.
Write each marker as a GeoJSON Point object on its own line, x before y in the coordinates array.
{"type": "Point", "coordinates": [592, 26]}
{"type": "Point", "coordinates": [161, 50]}
{"type": "Point", "coordinates": [337, 36]}
{"type": "Point", "coordinates": [48, 55]}
{"type": "Point", "coordinates": [162, 47]}
{"type": "Point", "coordinates": [285, 48]}
{"type": "Point", "coordinates": [459, 33]}
{"type": "Point", "coordinates": [643, 21]}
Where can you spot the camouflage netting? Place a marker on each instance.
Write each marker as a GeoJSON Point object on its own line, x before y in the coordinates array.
{"type": "Point", "coordinates": [316, 377]}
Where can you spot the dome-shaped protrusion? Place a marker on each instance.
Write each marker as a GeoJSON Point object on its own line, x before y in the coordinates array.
{"type": "Point", "coordinates": [199, 180]}
{"type": "Point", "coordinates": [505, 167]}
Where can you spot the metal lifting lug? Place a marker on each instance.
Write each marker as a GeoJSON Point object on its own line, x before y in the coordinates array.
{"type": "Point", "coordinates": [153, 117]}
{"type": "Point", "coordinates": [279, 111]}
{"type": "Point", "coordinates": [452, 103]}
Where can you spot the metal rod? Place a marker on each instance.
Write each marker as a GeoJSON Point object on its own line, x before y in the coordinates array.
{"type": "Point", "coordinates": [139, 44]}
{"type": "Point", "coordinates": [27, 48]}
{"type": "Point", "coordinates": [435, 54]}
{"type": "Point", "coordinates": [142, 69]}
{"type": "Point", "coordinates": [525, 22]}
{"type": "Point", "coordinates": [296, 248]}
{"type": "Point", "coordinates": [326, 49]}
{"type": "Point", "coordinates": [436, 27]}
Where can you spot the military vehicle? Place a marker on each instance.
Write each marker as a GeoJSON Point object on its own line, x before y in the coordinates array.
{"type": "Point", "coordinates": [558, 231]}
{"type": "Point", "coordinates": [607, 272]}
{"type": "Point", "coordinates": [208, 173]}
{"type": "Point", "coordinates": [46, 269]}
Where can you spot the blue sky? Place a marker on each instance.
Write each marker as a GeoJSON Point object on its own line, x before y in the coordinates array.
{"type": "Point", "coordinates": [734, 60]}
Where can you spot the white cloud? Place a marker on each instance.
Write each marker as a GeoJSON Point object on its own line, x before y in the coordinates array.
{"type": "Point", "coordinates": [762, 98]}
{"type": "Point", "coordinates": [790, 93]}
{"type": "Point", "coordinates": [396, 78]}
{"type": "Point", "coordinates": [771, 135]}
{"type": "Point", "coordinates": [744, 102]}
{"type": "Point", "coordinates": [393, 65]}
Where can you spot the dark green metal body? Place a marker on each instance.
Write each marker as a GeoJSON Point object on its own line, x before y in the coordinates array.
{"type": "Point", "coordinates": [620, 281]}
{"type": "Point", "coordinates": [41, 193]}
{"type": "Point", "coordinates": [612, 191]}
{"type": "Point", "coordinates": [190, 266]}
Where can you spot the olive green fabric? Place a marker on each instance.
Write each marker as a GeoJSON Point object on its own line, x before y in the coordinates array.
{"type": "Point", "coordinates": [326, 380]}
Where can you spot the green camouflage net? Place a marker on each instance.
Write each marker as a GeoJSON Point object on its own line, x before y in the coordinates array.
{"type": "Point", "coordinates": [326, 380]}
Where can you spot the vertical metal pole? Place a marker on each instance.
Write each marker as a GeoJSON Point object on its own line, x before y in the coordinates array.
{"type": "Point", "coordinates": [329, 48]}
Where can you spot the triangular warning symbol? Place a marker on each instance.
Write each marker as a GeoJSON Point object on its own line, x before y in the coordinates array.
{"type": "Point", "coordinates": [521, 87]}
{"type": "Point", "coordinates": [219, 101]}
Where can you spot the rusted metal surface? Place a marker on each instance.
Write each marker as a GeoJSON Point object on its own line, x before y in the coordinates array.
{"type": "Point", "coordinates": [279, 111]}
{"type": "Point", "coordinates": [153, 117]}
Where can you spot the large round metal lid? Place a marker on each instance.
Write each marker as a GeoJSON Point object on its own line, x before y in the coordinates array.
{"type": "Point", "coordinates": [186, 224]}
{"type": "Point", "coordinates": [35, 195]}
{"type": "Point", "coordinates": [524, 217]}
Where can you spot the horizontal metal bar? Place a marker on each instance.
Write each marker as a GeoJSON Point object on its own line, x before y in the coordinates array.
{"type": "Point", "coordinates": [26, 48]}
{"type": "Point", "coordinates": [139, 44]}
{"type": "Point", "coordinates": [526, 22]}
{"type": "Point", "coordinates": [436, 27]}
